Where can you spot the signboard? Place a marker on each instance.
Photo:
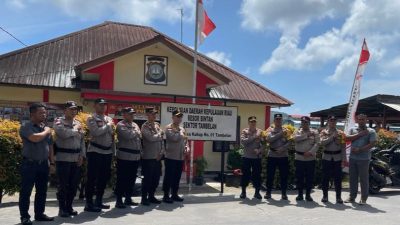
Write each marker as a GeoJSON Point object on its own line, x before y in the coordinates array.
{"type": "Point", "coordinates": [203, 122]}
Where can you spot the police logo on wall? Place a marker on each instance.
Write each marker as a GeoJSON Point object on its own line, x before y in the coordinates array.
{"type": "Point", "coordinates": [155, 70]}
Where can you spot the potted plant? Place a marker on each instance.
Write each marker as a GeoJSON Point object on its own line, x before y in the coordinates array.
{"type": "Point", "coordinates": [201, 165]}
{"type": "Point", "coordinates": [234, 165]}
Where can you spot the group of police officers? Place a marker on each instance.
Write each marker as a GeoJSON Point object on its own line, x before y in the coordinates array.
{"type": "Point", "coordinates": [133, 145]}
{"type": "Point", "coordinates": [66, 152]}
{"type": "Point", "coordinates": [307, 142]}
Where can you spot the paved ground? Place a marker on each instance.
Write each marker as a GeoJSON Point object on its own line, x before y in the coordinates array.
{"type": "Point", "coordinates": [207, 206]}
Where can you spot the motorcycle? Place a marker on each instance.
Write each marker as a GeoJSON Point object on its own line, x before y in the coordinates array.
{"type": "Point", "coordinates": [384, 168]}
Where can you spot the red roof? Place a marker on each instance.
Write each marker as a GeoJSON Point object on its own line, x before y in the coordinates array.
{"type": "Point", "coordinates": [52, 63]}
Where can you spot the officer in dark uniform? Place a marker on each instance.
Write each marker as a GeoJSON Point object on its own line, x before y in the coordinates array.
{"type": "Point", "coordinates": [99, 155]}
{"type": "Point", "coordinates": [251, 139]}
{"type": "Point", "coordinates": [306, 144]}
{"type": "Point", "coordinates": [36, 144]}
{"type": "Point", "coordinates": [333, 158]}
{"type": "Point", "coordinates": [69, 149]}
{"type": "Point", "coordinates": [152, 153]}
{"type": "Point", "coordinates": [277, 157]}
{"type": "Point", "coordinates": [176, 148]}
{"type": "Point", "coordinates": [128, 155]}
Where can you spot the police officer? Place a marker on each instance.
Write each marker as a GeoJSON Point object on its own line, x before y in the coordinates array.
{"type": "Point", "coordinates": [362, 140]}
{"type": "Point", "coordinates": [176, 147]}
{"type": "Point", "coordinates": [36, 141]}
{"type": "Point", "coordinates": [251, 162]}
{"type": "Point", "coordinates": [69, 149]}
{"type": "Point", "coordinates": [333, 158]}
{"type": "Point", "coordinates": [277, 157]}
{"type": "Point", "coordinates": [306, 145]}
{"type": "Point", "coordinates": [99, 155]}
{"type": "Point", "coordinates": [151, 156]}
{"type": "Point", "coordinates": [128, 155]}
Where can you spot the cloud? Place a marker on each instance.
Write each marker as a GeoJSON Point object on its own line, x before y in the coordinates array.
{"type": "Point", "coordinates": [220, 57]}
{"type": "Point", "coordinates": [16, 4]}
{"type": "Point", "coordinates": [135, 11]}
{"type": "Point", "coordinates": [377, 21]}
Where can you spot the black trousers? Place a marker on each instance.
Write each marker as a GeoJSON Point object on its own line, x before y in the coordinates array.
{"type": "Point", "coordinates": [332, 169]}
{"type": "Point", "coordinates": [251, 169]}
{"type": "Point", "coordinates": [283, 165]}
{"type": "Point", "coordinates": [305, 175]}
{"type": "Point", "coordinates": [98, 174]}
{"type": "Point", "coordinates": [126, 177]}
{"type": "Point", "coordinates": [151, 171]}
{"type": "Point", "coordinates": [68, 174]}
{"type": "Point", "coordinates": [172, 176]}
{"type": "Point", "coordinates": [33, 173]}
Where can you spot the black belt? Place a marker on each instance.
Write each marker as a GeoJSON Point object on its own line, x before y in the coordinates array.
{"type": "Point", "coordinates": [68, 150]}
{"type": "Point", "coordinates": [132, 151]}
{"type": "Point", "coordinates": [300, 153]}
{"type": "Point", "coordinates": [332, 152]}
{"type": "Point", "coordinates": [35, 161]}
{"type": "Point", "coordinates": [100, 146]}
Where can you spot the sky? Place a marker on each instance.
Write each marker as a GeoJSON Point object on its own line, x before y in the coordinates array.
{"type": "Point", "coordinates": [305, 50]}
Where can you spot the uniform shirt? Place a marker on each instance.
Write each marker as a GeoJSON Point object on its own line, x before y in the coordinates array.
{"type": "Point", "coordinates": [34, 150]}
{"type": "Point", "coordinates": [101, 132]}
{"type": "Point", "coordinates": [129, 137]}
{"type": "Point", "coordinates": [175, 142]}
{"type": "Point", "coordinates": [250, 142]}
{"type": "Point", "coordinates": [278, 143]}
{"type": "Point", "coordinates": [68, 137]}
{"type": "Point", "coordinates": [304, 143]}
{"type": "Point", "coordinates": [360, 142]}
{"type": "Point", "coordinates": [152, 140]}
{"type": "Point", "coordinates": [332, 144]}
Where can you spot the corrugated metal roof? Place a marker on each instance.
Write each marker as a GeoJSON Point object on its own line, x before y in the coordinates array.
{"type": "Point", "coordinates": [52, 63]}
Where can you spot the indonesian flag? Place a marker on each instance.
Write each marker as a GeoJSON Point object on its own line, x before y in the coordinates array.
{"type": "Point", "coordinates": [204, 25]}
{"type": "Point", "coordinates": [354, 97]}
{"type": "Point", "coordinates": [355, 92]}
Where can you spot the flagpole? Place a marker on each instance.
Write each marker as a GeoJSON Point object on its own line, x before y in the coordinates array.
{"type": "Point", "coordinates": [196, 30]}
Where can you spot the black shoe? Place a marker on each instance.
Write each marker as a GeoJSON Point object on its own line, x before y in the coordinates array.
{"type": "Point", "coordinates": [267, 195]}
{"type": "Point", "coordinates": [63, 213]}
{"type": "Point", "coordinates": [128, 201]}
{"type": "Point", "coordinates": [154, 200]}
{"type": "Point", "coordinates": [26, 221]}
{"type": "Point", "coordinates": [145, 202]}
{"type": "Point", "coordinates": [257, 195]}
{"type": "Point", "coordinates": [309, 199]}
{"type": "Point", "coordinates": [91, 208]}
{"type": "Point", "coordinates": [176, 198]}
{"type": "Point", "coordinates": [72, 212]}
{"type": "Point", "coordinates": [324, 199]}
{"type": "Point", "coordinates": [339, 201]}
{"type": "Point", "coordinates": [284, 197]}
{"type": "Point", "coordinates": [120, 205]}
{"type": "Point", "coordinates": [299, 198]}
{"type": "Point", "coordinates": [44, 217]}
{"type": "Point", "coordinates": [102, 206]}
{"type": "Point", "coordinates": [167, 199]}
{"type": "Point", "coordinates": [243, 195]}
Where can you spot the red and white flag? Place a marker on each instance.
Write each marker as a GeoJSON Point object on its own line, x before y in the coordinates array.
{"type": "Point", "coordinates": [355, 92]}
{"type": "Point", "coordinates": [354, 97]}
{"type": "Point", "coordinates": [204, 25]}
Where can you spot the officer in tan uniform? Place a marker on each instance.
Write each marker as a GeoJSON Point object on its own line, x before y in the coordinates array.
{"type": "Point", "coordinates": [128, 155]}
{"type": "Point", "coordinates": [333, 158]}
{"type": "Point", "coordinates": [69, 153]}
{"type": "Point", "coordinates": [153, 146]}
{"type": "Point", "coordinates": [277, 157]}
{"type": "Point", "coordinates": [99, 155]}
{"type": "Point", "coordinates": [176, 148]}
{"type": "Point", "coordinates": [251, 161]}
{"type": "Point", "coordinates": [306, 146]}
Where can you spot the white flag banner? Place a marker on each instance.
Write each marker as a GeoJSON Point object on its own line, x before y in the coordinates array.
{"type": "Point", "coordinates": [355, 96]}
